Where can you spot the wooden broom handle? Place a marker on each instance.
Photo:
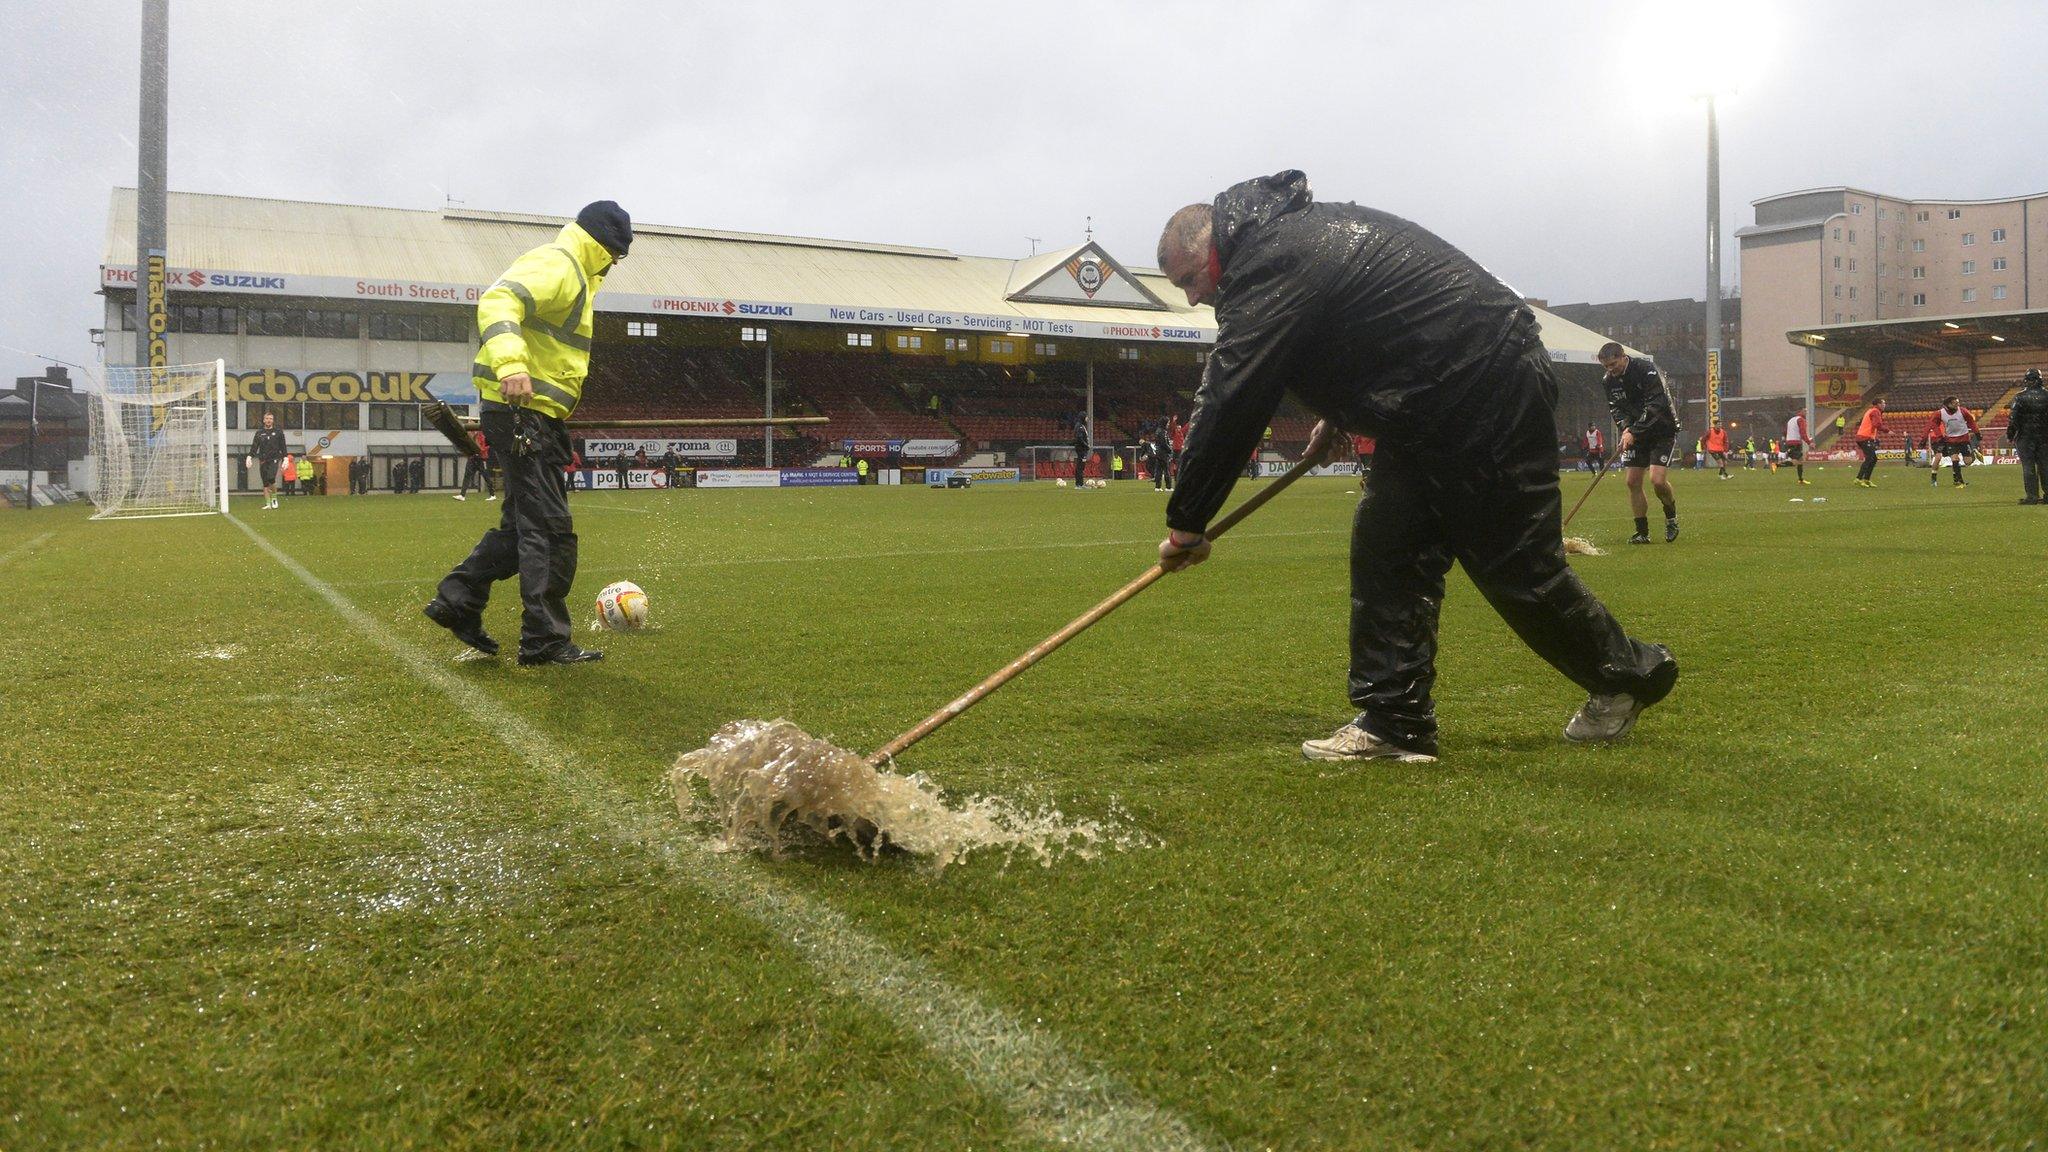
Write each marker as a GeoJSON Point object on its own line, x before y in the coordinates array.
{"type": "Point", "coordinates": [1079, 624]}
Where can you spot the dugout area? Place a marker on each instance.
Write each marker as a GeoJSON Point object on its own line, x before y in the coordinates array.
{"type": "Point", "coordinates": [1915, 363]}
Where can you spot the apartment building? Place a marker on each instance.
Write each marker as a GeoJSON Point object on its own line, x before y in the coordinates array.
{"type": "Point", "coordinates": [1846, 255]}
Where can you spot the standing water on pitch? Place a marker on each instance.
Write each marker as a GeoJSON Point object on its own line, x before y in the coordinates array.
{"type": "Point", "coordinates": [769, 784]}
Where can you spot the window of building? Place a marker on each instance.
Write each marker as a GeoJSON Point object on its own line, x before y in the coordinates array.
{"type": "Point", "coordinates": [328, 417]}
{"type": "Point", "coordinates": [909, 342]}
{"type": "Point", "coordinates": [1998, 263]}
{"type": "Point", "coordinates": [1998, 291]}
{"type": "Point", "coordinates": [753, 335]}
{"type": "Point", "coordinates": [1920, 272]}
{"type": "Point", "coordinates": [1045, 349]}
{"type": "Point", "coordinates": [1919, 299]}
{"type": "Point", "coordinates": [234, 415]}
{"type": "Point", "coordinates": [1852, 292]}
{"type": "Point", "coordinates": [1002, 346]}
{"type": "Point", "coordinates": [1855, 209]}
{"type": "Point", "coordinates": [1969, 267]}
{"type": "Point", "coordinates": [1969, 238]}
{"type": "Point", "coordinates": [643, 328]}
{"type": "Point", "coordinates": [1838, 291]}
{"type": "Point", "coordinates": [1838, 233]}
{"type": "Point", "coordinates": [394, 417]}
{"type": "Point", "coordinates": [958, 344]}
{"type": "Point", "coordinates": [1127, 353]}
{"type": "Point", "coordinates": [288, 415]}
{"type": "Point", "coordinates": [206, 319]}
{"type": "Point", "coordinates": [1881, 213]}
{"type": "Point", "coordinates": [1902, 298]}
{"type": "Point", "coordinates": [1852, 263]}
{"type": "Point", "coordinates": [860, 340]}
{"type": "Point", "coordinates": [394, 326]}
{"type": "Point", "coordinates": [1919, 245]}
{"type": "Point", "coordinates": [1969, 295]}
{"type": "Point", "coordinates": [332, 324]}
{"type": "Point", "coordinates": [1838, 261]}
{"type": "Point", "coordinates": [276, 321]}
{"type": "Point", "coordinates": [1920, 216]}
{"type": "Point", "coordinates": [1955, 213]}
{"type": "Point", "coordinates": [1998, 235]}
{"type": "Point", "coordinates": [1838, 317]}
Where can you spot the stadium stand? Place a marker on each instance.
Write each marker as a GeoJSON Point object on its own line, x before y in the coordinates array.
{"type": "Point", "coordinates": [657, 383]}
{"type": "Point", "coordinates": [860, 400]}
{"type": "Point", "coordinates": [987, 407]}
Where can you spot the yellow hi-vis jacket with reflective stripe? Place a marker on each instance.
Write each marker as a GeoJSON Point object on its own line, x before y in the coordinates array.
{"type": "Point", "coordinates": [537, 319]}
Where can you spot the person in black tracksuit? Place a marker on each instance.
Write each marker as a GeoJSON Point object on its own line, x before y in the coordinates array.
{"type": "Point", "coordinates": [2027, 428]}
{"type": "Point", "coordinates": [477, 470]}
{"type": "Point", "coordinates": [1385, 330]}
{"type": "Point", "coordinates": [1162, 456]}
{"type": "Point", "coordinates": [1642, 409]}
{"type": "Point", "coordinates": [267, 450]}
{"type": "Point", "coordinates": [1082, 452]}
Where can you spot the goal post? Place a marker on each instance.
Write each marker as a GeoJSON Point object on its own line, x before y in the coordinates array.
{"type": "Point", "coordinates": [159, 437]}
{"type": "Point", "coordinates": [1056, 461]}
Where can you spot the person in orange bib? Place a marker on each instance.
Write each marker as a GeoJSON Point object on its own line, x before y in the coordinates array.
{"type": "Point", "coordinates": [1867, 432]}
{"type": "Point", "coordinates": [1717, 447]}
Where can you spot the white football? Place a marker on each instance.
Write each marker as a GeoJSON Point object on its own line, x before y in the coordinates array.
{"type": "Point", "coordinates": [1059, 482]}
{"type": "Point", "coordinates": [622, 607]}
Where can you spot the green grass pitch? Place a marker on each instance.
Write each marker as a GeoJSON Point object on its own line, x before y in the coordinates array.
{"type": "Point", "coordinates": [264, 884]}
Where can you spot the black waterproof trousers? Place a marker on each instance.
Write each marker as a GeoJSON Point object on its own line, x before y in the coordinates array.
{"type": "Point", "coordinates": [2034, 466]}
{"type": "Point", "coordinates": [534, 539]}
{"type": "Point", "coordinates": [1869, 450]}
{"type": "Point", "coordinates": [1480, 488]}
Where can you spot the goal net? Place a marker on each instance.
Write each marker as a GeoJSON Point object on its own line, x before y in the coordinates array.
{"type": "Point", "coordinates": [1056, 461]}
{"type": "Point", "coordinates": [158, 437]}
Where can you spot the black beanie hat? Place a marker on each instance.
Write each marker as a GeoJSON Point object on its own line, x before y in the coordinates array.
{"type": "Point", "coordinates": [607, 224]}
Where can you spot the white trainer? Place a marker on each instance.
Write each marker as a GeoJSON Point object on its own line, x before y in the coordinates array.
{"type": "Point", "coordinates": [461, 497]}
{"type": "Point", "coordinates": [488, 499]}
{"type": "Point", "coordinates": [1354, 743]}
{"type": "Point", "coordinates": [1603, 718]}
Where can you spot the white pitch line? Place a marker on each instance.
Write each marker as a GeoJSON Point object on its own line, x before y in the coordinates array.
{"type": "Point", "coordinates": [842, 557]}
{"type": "Point", "coordinates": [28, 545]}
{"type": "Point", "coordinates": [1052, 1092]}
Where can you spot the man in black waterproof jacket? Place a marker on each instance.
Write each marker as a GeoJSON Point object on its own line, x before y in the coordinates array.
{"type": "Point", "coordinates": [1383, 329]}
{"type": "Point", "coordinates": [2027, 428]}
{"type": "Point", "coordinates": [1642, 409]}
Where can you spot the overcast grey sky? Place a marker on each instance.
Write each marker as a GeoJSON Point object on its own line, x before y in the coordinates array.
{"type": "Point", "coordinates": [1543, 138]}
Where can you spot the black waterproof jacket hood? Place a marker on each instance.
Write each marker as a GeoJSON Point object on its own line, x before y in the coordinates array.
{"type": "Point", "coordinates": [1372, 322]}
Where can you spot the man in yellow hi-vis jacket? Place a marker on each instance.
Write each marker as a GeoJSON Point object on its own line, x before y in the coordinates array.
{"type": "Point", "coordinates": [536, 328]}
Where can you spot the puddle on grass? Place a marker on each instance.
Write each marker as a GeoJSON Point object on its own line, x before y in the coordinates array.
{"type": "Point", "coordinates": [769, 786]}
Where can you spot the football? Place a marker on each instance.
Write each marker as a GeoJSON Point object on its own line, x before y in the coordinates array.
{"type": "Point", "coordinates": [622, 607]}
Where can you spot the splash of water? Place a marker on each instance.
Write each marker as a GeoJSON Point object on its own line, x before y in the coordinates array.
{"type": "Point", "coordinates": [769, 784]}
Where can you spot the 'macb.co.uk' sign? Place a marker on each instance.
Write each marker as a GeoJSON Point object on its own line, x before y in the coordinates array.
{"type": "Point", "coordinates": [275, 386]}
